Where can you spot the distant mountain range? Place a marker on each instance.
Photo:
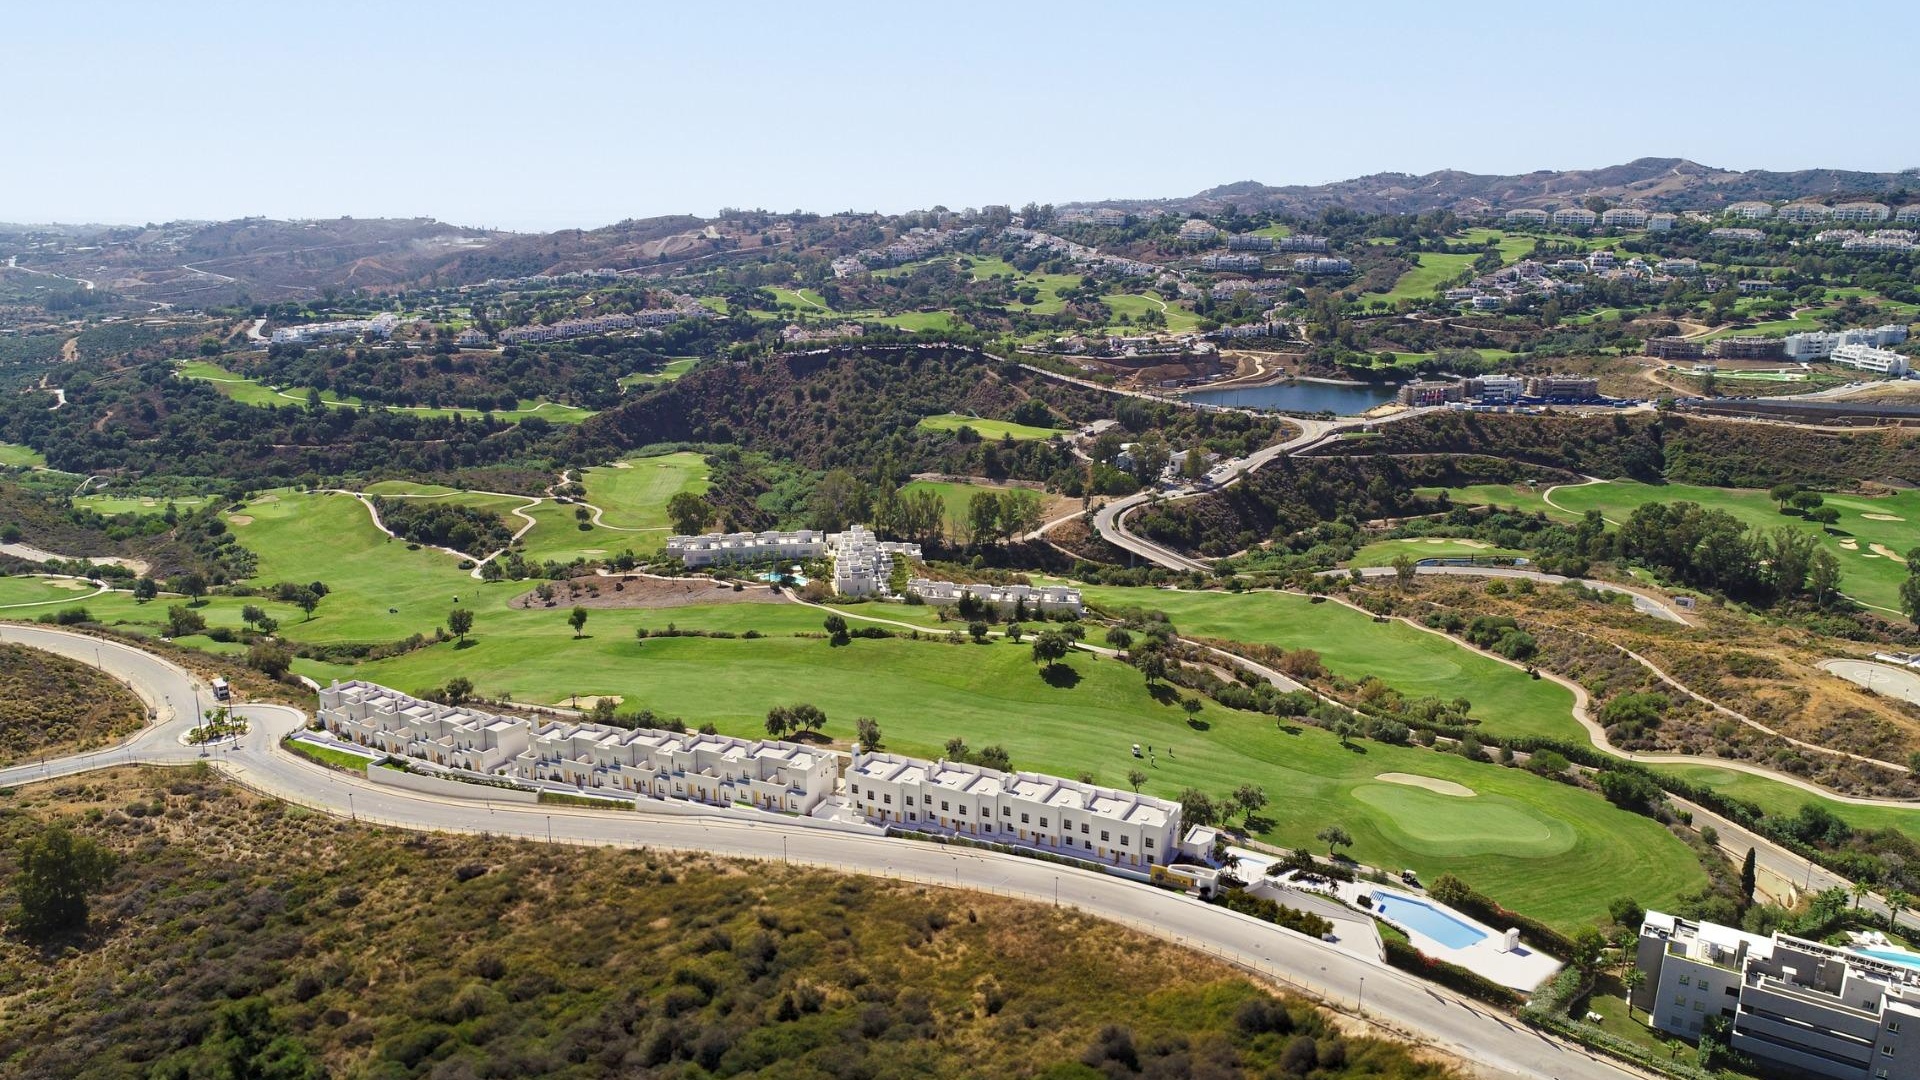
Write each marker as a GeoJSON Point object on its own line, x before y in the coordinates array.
{"type": "Point", "coordinates": [193, 263]}
{"type": "Point", "coordinates": [1657, 183]}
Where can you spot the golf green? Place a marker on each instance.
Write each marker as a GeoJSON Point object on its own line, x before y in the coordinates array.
{"type": "Point", "coordinates": [1451, 827]}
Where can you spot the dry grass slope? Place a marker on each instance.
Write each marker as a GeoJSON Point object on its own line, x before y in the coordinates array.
{"type": "Point", "coordinates": [52, 705]}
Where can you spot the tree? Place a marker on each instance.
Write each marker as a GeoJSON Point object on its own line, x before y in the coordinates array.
{"type": "Point", "coordinates": [836, 627]}
{"type": "Point", "coordinates": [779, 722]}
{"type": "Point", "coordinates": [1334, 837]}
{"type": "Point", "coordinates": [269, 657]}
{"type": "Point", "coordinates": [689, 513]}
{"type": "Point", "coordinates": [1805, 500]}
{"type": "Point", "coordinates": [1019, 512]}
{"type": "Point", "coordinates": [190, 585]}
{"type": "Point", "coordinates": [1749, 879]}
{"type": "Point", "coordinates": [577, 620]}
{"type": "Point", "coordinates": [1049, 647]}
{"type": "Point", "coordinates": [458, 690]}
{"type": "Point", "coordinates": [1588, 946]}
{"type": "Point", "coordinates": [1015, 632]}
{"type": "Point", "coordinates": [1783, 493]}
{"type": "Point", "coordinates": [867, 730]}
{"type": "Point", "coordinates": [145, 589]}
{"type": "Point", "coordinates": [1198, 808]}
{"type": "Point", "coordinates": [1119, 638]}
{"type": "Point", "coordinates": [1910, 588]}
{"type": "Point", "coordinates": [1823, 515]}
{"type": "Point", "coordinates": [983, 516]}
{"type": "Point", "coordinates": [1823, 577]}
{"type": "Point", "coordinates": [251, 614]}
{"type": "Point", "coordinates": [1404, 567]}
{"type": "Point", "coordinates": [1152, 665]}
{"type": "Point", "coordinates": [1634, 979]}
{"type": "Point", "coordinates": [459, 623]}
{"type": "Point", "coordinates": [1250, 798]}
{"type": "Point", "coordinates": [1194, 465]}
{"type": "Point", "coordinates": [840, 499]}
{"type": "Point", "coordinates": [57, 871]}
{"type": "Point", "coordinates": [306, 599]}
{"type": "Point", "coordinates": [1135, 778]}
{"type": "Point", "coordinates": [1897, 902]}
{"type": "Point", "coordinates": [978, 631]}
{"type": "Point", "coordinates": [182, 620]}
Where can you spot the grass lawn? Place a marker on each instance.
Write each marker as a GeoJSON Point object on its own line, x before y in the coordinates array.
{"type": "Point", "coordinates": [1518, 496]}
{"type": "Point", "coordinates": [633, 493]}
{"type": "Point", "coordinates": [327, 755]}
{"type": "Point", "coordinates": [955, 496]}
{"type": "Point", "coordinates": [1352, 645]}
{"type": "Point", "coordinates": [1778, 798]}
{"type": "Point", "coordinates": [673, 370]}
{"type": "Point", "coordinates": [1179, 319]}
{"type": "Point", "coordinates": [21, 456]}
{"type": "Point", "coordinates": [38, 590]}
{"type": "Point", "coordinates": [109, 505]}
{"type": "Point", "coordinates": [252, 392]}
{"type": "Point", "coordinates": [1434, 271]}
{"type": "Point", "coordinates": [1383, 552]}
{"type": "Point", "coordinates": [917, 320]}
{"type": "Point", "coordinates": [1542, 847]}
{"type": "Point", "coordinates": [1870, 576]}
{"type": "Point", "coordinates": [988, 429]}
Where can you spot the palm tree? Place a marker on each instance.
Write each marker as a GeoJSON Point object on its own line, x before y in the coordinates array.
{"type": "Point", "coordinates": [1860, 891]}
{"type": "Point", "coordinates": [1897, 902]}
{"type": "Point", "coordinates": [1633, 978]}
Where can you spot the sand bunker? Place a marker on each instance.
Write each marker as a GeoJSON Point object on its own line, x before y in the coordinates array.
{"type": "Point", "coordinates": [1455, 540]}
{"type": "Point", "coordinates": [240, 519]}
{"type": "Point", "coordinates": [1850, 545]}
{"type": "Point", "coordinates": [623, 464]}
{"type": "Point", "coordinates": [589, 702]}
{"type": "Point", "coordinates": [1437, 786]}
{"type": "Point", "coordinates": [1882, 517]}
{"type": "Point", "coordinates": [1886, 552]}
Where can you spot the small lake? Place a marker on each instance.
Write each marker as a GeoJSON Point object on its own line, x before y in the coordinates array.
{"type": "Point", "coordinates": [1342, 399]}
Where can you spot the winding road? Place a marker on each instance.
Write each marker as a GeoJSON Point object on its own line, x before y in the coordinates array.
{"type": "Point", "coordinates": [1394, 1002]}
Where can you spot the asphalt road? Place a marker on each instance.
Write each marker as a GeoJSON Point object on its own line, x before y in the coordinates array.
{"type": "Point", "coordinates": [1397, 1002]}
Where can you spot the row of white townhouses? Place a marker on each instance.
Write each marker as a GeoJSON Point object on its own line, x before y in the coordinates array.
{"type": "Point", "coordinates": [1095, 823]}
{"type": "Point", "coordinates": [716, 769]}
{"type": "Point", "coordinates": [1051, 599]}
{"type": "Point", "coordinates": [1098, 824]}
{"type": "Point", "coordinates": [862, 562]}
{"type": "Point", "coordinates": [1812, 1009]}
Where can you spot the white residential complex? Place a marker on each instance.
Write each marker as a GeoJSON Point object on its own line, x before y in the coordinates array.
{"type": "Point", "coordinates": [1574, 217]}
{"type": "Point", "coordinates": [1862, 211]}
{"type": "Point", "coordinates": [1909, 213]}
{"type": "Point", "coordinates": [1660, 222]}
{"type": "Point", "coordinates": [1624, 217]}
{"type": "Point", "coordinates": [1736, 234]}
{"type": "Point", "coordinates": [1249, 242]}
{"type": "Point", "coordinates": [1528, 216]}
{"type": "Point", "coordinates": [716, 769]}
{"type": "Point", "coordinates": [1751, 211]}
{"type": "Point", "coordinates": [1820, 344]}
{"type": "Point", "coordinates": [602, 324]}
{"type": "Point", "coordinates": [1243, 263]}
{"type": "Point", "coordinates": [1816, 1010]}
{"type": "Point", "coordinates": [1196, 230]}
{"type": "Point", "coordinates": [862, 562]}
{"type": "Point", "coordinates": [1322, 264]}
{"type": "Point", "coordinates": [1868, 358]}
{"type": "Point", "coordinates": [380, 325]}
{"type": "Point", "coordinates": [1050, 599]}
{"type": "Point", "coordinates": [1089, 822]}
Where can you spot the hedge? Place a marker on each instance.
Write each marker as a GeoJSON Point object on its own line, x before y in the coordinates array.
{"type": "Point", "coordinates": [1452, 976]}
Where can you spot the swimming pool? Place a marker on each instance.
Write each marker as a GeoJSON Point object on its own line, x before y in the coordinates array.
{"type": "Point", "coordinates": [1892, 956]}
{"type": "Point", "coordinates": [1423, 917]}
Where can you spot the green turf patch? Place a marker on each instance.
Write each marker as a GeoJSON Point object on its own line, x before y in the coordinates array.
{"type": "Point", "coordinates": [988, 429]}
{"type": "Point", "coordinates": [24, 457]}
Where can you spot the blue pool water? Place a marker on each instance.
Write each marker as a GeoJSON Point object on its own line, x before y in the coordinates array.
{"type": "Point", "coordinates": [1892, 956]}
{"type": "Point", "coordinates": [1427, 919]}
{"type": "Point", "coordinates": [798, 579]}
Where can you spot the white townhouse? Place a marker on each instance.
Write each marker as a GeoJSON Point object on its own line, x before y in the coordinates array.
{"type": "Point", "coordinates": [1322, 264]}
{"type": "Point", "coordinates": [1047, 813]}
{"type": "Point", "coordinates": [1751, 210]}
{"type": "Point", "coordinates": [1820, 344]}
{"type": "Point", "coordinates": [1862, 211]}
{"type": "Point", "coordinates": [395, 723]}
{"type": "Point", "coordinates": [1624, 217]}
{"type": "Point", "coordinates": [1811, 1009]}
{"type": "Point", "coordinates": [710, 548]}
{"type": "Point", "coordinates": [1601, 260]}
{"type": "Point", "coordinates": [1660, 222]}
{"type": "Point", "coordinates": [1574, 217]}
{"type": "Point", "coordinates": [1302, 242]}
{"type": "Point", "coordinates": [1242, 263]}
{"type": "Point", "coordinates": [1249, 242]}
{"type": "Point", "coordinates": [715, 769]}
{"type": "Point", "coordinates": [1051, 599]}
{"type": "Point", "coordinates": [1527, 216]}
{"type": "Point", "coordinates": [1803, 213]}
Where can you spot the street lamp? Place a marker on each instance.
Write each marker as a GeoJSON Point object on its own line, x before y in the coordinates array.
{"type": "Point", "coordinates": [350, 811]}
{"type": "Point", "coordinates": [1360, 1003]}
{"type": "Point", "coordinates": [783, 850]}
{"type": "Point", "coordinates": [549, 828]}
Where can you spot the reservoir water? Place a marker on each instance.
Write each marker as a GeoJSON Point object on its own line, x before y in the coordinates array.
{"type": "Point", "coordinates": [1343, 399]}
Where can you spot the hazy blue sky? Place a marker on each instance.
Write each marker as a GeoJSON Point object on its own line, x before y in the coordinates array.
{"type": "Point", "coordinates": [543, 115]}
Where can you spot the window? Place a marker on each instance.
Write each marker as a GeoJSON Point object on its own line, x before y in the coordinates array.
{"type": "Point", "coordinates": [1679, 999]}
{"type": "Point", "coordinates": [1705, 987]}
{"type": "Point", "coordinates": [1023, 819]}
{"type": "Point", "coordinates": [1673, 1021]}
{"type": "Point", "coordinates": [909, 800]}
{"type": "Point", "coordinates": [1123, 841]}
{"type": "Point", "coordinates": [855, 788]}
{"type": "Point", "coordinates": [962, 811]}
{"type": "Point", "coordinates": [1893, 1027]}
{"type": "Point", "coordinates": [1043, 823]}
{"type": "Point", "coordinates": [1886, 1050]}
{"type": "Point", "coordinates": [1006, 811]}
{"type": "Point", "coordinates": [943, 806]}
{"type": "Point", "coordinates": [1149, 843]}
{"type": "Point", "coordinates": [1104, 838]}
{"type": "Point", "coordinates": [1083, 828]}
{"type": "Point", "coordinates": [888, 799]}
{"type": "Point", "coordinates": [1698, 1008]}
{"type": "Point", "coordinates": [1686, 980]}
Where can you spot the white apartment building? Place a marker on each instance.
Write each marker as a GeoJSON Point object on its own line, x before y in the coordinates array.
{"type": "Point", "coordinates": [663, 764]}
{"type": "Point", "coordinates": [1679, 266]}
{"type": "Point", "coordinates": [1488, 302]}
{"type": "Point", "coordinates": [1047, 813]}
{"type": "Point", "coordinates": [1862, 211]}
{"type": "Point", "coordinates": [1249, 242]}
{"type": "Point", "coordinates": [1868, 358]}
{"type": "Point", "coordinates": [862, 562]}
{"type": "Point", "coordinates": [1802, 213]}
{"type": "Point", "coordinates": [1302, 242]}
{"type": "Point", "coordinates": [1814, 1009]}
{"type": "Point", "coordinates": [1751, 211]}
{"type": "Point", "coordinates": [1245, 263]}
{"type": "Point", "coordinates": [1624, 217]}
{"type": "Point", "coordinates": [1736, 234]}
{"type": "Point", "coordinates": [1196, 230]}
{"type": "Point", "coordinates": [1051, 599]}
{"type": "Point", "coordinates": [381, 325]}
{"type": "Point", "coordinates": [1527, 216]}
{"type": "Point", "coordinates": [1110, 218]}
{"type": "Point", "coordinates": [1819, 344]}
{"type": "Point", "coordinates": [1601, 260]}
{"type": "Point", "coordinates": [1322, 264]}
{"type": "Point", "coordinates": [1660, 222]}
{"type": "Point", "coordinates": [1574, 217]}
{"type": "Point", "coordinates": [1908, 213]}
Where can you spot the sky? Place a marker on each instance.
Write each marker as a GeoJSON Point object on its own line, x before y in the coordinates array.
{"type": "Point", "coordinates": [556, 114]}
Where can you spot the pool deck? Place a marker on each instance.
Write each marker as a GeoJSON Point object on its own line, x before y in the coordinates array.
{"type": "Point", "coordinates": [1522, 969]}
